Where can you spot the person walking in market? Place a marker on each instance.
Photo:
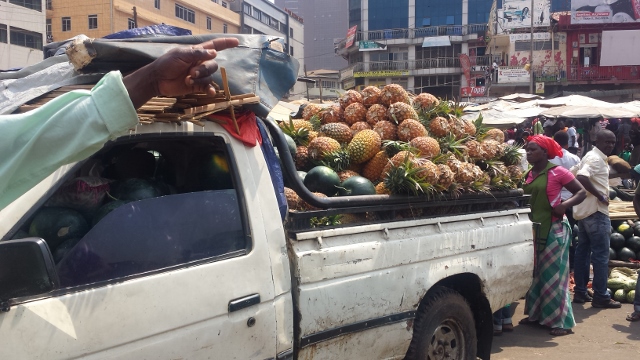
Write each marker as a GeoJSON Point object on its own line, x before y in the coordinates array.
{"type": "Point", "coordinates": [594, 224]}
{"type": "Point", "coordinates": [548, 301]}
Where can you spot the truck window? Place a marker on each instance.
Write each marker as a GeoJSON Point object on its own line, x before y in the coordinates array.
{"type": "Point", "coordinates": [142, 207]}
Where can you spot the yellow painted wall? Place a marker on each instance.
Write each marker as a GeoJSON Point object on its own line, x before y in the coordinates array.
{"type": "Point", "coordinates": [79, 10]}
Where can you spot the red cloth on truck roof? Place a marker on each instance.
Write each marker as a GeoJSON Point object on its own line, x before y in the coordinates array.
{"type": "Point", "coordinates": [246, 120]}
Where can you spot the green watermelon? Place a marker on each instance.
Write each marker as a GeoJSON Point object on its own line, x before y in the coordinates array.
{"type": "Point", "coordinates": [633, 243]}
{"type": "Point", "coordinates": [636, 230]}
{"type": "Point", "coordinates": [626, 254]}
{"type": "Point", "coordinates": [612, 254]}
{"type": "Point", "coordinates": [323, 180]}
{"type": "Point", "coordinates": [625, 230]}
{"type": "Point", "coordinates": [135, 189]}
{"type": "Point", "coordinates": [631, 296]}
{"type": "Point", "coordinates": [105, 209]}
{"type": "Point", "coordinates": [302, 175]}
{"type": "Point", "coordinates": [356, 185]}
{"type": "Point", "coordinates": [620, 295]}
{"type": "Point", "coordinates": [56, 225]}
{"type": "Point", "coordinates": [616, 241]}
{"type": "Point", "coordinates": [63, 249]}
{"type": "Point", "coordinates": [292, 145]}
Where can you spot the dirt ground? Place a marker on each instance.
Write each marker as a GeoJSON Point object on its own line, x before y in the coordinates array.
{"type": "Point", "coordinates": [599, 334]}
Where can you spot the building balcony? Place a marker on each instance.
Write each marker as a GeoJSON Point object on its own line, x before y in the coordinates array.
{"type": "Point", "coordinates": [590, 74]}
{"type": "Point", "coordinates": [413, 33]}
{"type": "Point", "coordinates": [442, 65]}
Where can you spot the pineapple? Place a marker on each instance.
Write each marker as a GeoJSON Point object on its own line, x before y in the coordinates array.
{"type": "Point", "coordinates": [321, 146]}
{"type": "Point", "coordinates": [446, 178]}
{"type": "Point", "coordinates": [386, 130]}
{"type": "Point", "coordinates": [310, 110]}
{"type": "Point", "coordinates": [359, 126]}
{"type": "Point", "coordinates": [331, 114]}
{"type": "Point", "coordinates": [511, 155]}
{"type": "Point", "coordinates": [476, 151]}
{"type": "Point", "coordinates": [394, 147]}
{"type": "Point", "coordinates": [337, 160]}
{"type": "Point", "coordinates": [308, 206]}
{"type": "Point", "coordinates": [397, 160]}
{"type": "Point", "coordinates": [494, 134]}
{"type": "Point", "coordinates": [428, 171]}
{"type": "Point", "coordinates": [465, 174]}
{"type": "Point", "coordinates": [425, 101]}
{"type": "Point", "coordinates": [394, 93]}
{"type": "Point", "coordinates": [398, 112]}
{"type": "Point", "coordinates": [439, 126]}
{"type": "Point", "coordinates": [302, 158]}
{"type": "Point", "coordinates": [373, 168]}
{"type": "Point", "coordinates": [371, 95]}
{"type": "Point", "coordinates": [449, 144]}
{"type": "Point", "coordinates": [350, 97]}
{"type": "Point", "coordinates": [381, 189]}
{"type": "Point", "coordinates": [354, 113]}
{"type": "Point", "coordinates": [411, 129]}
{"type": "Point", "coordinates": [312, 135]}
{"type": "Point", "coordinates": [364, 146]}
{"type": "Point", "coordinates": [427, 147]}
{"type": "Point", "coordinates": [340, 132]}
{"type": "Point", "coordinates": [456, 126]}
{"type": "Point", "coordinates": [405, 178]}
{"type": "Point", "coordinates": [490, 148]}
{"type": "Point", "coordinates": [293, 200]}
{"type": "Point", "coordinates": [515, 173]}
{"type": "Point", "coordinates": [345, 174]}
{"type": "Point", "coordinates": [469, 128]}
{"type": "Point", "coordinates": [377, 113]}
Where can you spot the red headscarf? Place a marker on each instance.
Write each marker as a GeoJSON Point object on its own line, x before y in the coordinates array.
{"type": "Point", "coordinates": [547, 143]}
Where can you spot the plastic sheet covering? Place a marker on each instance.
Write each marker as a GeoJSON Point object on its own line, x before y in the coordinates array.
{"type": "Point", "coordinates": [252, 67]}
{"type": "Point", "coordinates": [149, 31]}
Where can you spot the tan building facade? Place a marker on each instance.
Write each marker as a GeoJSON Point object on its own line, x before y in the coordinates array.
{"type": "Point", "coordinates": [97, 18]}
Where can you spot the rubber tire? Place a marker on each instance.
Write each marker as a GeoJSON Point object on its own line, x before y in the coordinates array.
{"type": "Point", "coordinates": [447, 308]}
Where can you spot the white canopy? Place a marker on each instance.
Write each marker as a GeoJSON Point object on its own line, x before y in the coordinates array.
{"type": "Point", "coordinates": [588, 112]}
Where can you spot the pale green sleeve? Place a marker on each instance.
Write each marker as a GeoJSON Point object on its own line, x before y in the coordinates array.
{"type": "Point", "coordinates": [67, 129]}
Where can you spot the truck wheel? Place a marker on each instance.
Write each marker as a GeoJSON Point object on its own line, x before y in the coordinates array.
{"type": "Point", "coordinates": [444, 328]}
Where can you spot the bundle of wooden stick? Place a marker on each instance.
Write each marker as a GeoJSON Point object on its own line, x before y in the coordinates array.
{"type": "Point", "coordinates": [192, 108]}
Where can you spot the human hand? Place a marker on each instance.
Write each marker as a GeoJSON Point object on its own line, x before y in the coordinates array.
{"type": "Point", "coordinates": [181, 71]}
{"type": "Point", "coordinates": [559, 210]}
{"type": "Point", "coordinates": [603, 198]}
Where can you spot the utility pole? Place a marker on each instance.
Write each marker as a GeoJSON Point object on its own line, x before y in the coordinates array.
{"type": "Point", "coordinates": [531, 79]}
{"type": "Point", "coordinates": [135, 17]}
{"type": "Point", "coordinates": [321, 101]}
{"type": "Point", "coordinates": [306, 83]}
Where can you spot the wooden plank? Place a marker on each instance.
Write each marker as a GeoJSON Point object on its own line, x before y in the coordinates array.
{"type": "Point", "coordinates": [222, 105]}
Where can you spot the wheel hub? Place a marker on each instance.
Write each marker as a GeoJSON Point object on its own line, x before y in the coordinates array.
{"type": "Point", "coordinates": [446, 342]}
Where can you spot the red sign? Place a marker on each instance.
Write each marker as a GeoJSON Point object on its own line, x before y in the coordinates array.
{"type": "Point", "coordinates": [472, 91]}
{"type": "Point", "coordinates": [351, 36]}
{"type": "Point", "coordinates": [465, 64]}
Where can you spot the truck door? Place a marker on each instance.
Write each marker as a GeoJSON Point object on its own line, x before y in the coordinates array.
{"type": "Point", "coordinates": [175, 276]}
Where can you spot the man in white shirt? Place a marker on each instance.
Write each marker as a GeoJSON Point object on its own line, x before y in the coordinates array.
{"type": "Point", "coordinates": [594, 224]}
{"type": "Point", "coordinates": [573, 137]}
{"type": "Point", "coordinates": [494, 71]}
{"type": "Point", "coordinates": [567, 161]}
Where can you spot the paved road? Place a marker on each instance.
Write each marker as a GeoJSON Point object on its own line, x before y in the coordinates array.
{"type": "Point", "coordinates": [599, 334]}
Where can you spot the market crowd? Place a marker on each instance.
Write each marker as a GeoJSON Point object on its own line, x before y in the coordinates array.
{"type": "Point", "coordinates": [568, 175]}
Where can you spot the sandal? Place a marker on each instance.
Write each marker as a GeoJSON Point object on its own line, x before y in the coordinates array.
{"type": "Point", "coordinates": [507, 327]}
{"type": "Point", "coordinates": [497, 332]}
{"type": "Point", "coordinates": [527, 321]}
{"type": "Point", "coordinates": [634, 316]}
{"type": "Point", "coordinates": [560, 332]}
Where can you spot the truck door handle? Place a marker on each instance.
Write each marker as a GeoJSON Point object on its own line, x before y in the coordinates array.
{"type": "Point", "coordinates": [243, 302]}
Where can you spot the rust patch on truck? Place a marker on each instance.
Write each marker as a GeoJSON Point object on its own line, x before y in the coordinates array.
{"type": "Point", "coordinates": [409, 324]}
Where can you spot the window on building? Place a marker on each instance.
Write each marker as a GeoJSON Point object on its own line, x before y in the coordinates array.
{"type": "Point", "coordinates": [216, 1]}
{"type": "Point", "coordinates": [291, 50]}
{"type": "Point", "coordinates": [156, 4]}
{"type": "Point", "coordinates": [25, 38]}
{"type": "Point", "coordinates": [224, 5]}
{"type": "Point", "coordinates": [247, 9]}
{"type": "Point", "coordinates": [131, 24]}
{"type": "Point", "coordinates": [49, 27]}
{"type": "Point", "coordinates": [29, 4]}
{"type": "Point", "coordinates": [185, 14]}
{"type": "Point", "coordinates": [291, 32]}
{"type": "Point", "coordinates": [208, 23]}
{"type": "Point", "coordinates": [225, 29]}
{"type": "Point", "coordinates": [3, 33]}
{"type": "Point", "coordinates": [49, 5]}
{"type": "Point", "coordinates": [66, 24]}
{"type": "Point", "coordinates": [93, 22]}
{"type": "Point", "coordinates": [283, 28]}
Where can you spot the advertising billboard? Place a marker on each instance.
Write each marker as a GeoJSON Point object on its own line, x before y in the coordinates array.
{"type": "Point", "coordinates": [604, 11]}
{"type": "Point", "coordinates": [517, 13]}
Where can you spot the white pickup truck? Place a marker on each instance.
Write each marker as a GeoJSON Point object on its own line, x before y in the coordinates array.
{"type": "Point", "coordinates": [211, 271]}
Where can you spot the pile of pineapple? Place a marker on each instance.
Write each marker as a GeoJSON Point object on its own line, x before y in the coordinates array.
{"type": "Point", "coordinates": [401, 144]}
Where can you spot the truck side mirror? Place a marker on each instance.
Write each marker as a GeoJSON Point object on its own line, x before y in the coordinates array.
{"type": "Point", "coordinates": [26, 269]}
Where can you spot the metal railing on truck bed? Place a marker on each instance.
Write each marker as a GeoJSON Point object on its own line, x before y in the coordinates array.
{"type": "Point", "coordinates": [385, 208]}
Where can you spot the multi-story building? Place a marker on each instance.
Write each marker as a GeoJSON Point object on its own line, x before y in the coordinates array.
{"type": "Point", "coordinates": [97, 18]}
{"type": "Point", "coordinates": [263, 17]}
{"type": "Point", "coordinates": [325, 23]}
{"type": "Point", "coordinates": [415, 43]}
{"type": "Point", "coordinates": [22, 29]}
